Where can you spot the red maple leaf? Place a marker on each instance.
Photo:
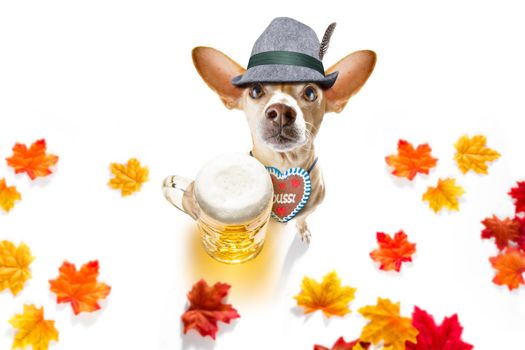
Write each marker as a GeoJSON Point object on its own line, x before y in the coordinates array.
{"type": "Point", "coordinates": [341, 344]}
{"type": "Point", "coordinates": [518, 193]}
{"type": "Point", "coordinates": [503, 231]}
{"type": "Point", "coordinates": [393, 252]}
{"type": "Point", "coordinates": [521, 239]}
{"type": "Point", "coordinates": [206, 308]}
{"type": "Point", "coordinates": [446, 336]}
{"type": "Point", "coordinates": [409, 161]}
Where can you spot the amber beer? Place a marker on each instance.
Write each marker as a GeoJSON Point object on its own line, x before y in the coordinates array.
{"type": "Point", "coordinates": [232, 200]}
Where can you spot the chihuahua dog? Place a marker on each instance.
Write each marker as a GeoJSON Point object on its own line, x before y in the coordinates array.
{"type": "Point", "coordinates": [284, 118]}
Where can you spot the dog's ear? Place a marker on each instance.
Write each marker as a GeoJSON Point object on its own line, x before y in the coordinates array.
{"type": "Point", "coordinates": [217, 70]}
{"type": "Point", "coordinates": [354, 71]}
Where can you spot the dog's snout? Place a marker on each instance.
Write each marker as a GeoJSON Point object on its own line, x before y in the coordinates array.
{"type": "Point", "coordinates": [281, 114]}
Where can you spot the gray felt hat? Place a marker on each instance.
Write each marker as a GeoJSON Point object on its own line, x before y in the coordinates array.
{"type": "Point", "coordinates": [288, 51]}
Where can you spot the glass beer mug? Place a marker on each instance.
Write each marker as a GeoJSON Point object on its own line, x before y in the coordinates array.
{"type": "Point", "coordinates": [231, 201]}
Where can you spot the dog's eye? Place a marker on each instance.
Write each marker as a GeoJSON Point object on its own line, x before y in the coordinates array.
{"type": "Point", "coordinates": [256, 91]}
{"type": "Point", "coordinates": [309, 94]}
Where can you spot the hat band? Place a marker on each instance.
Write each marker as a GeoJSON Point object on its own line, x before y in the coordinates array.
{"type": "Point", "coordinates": [287, 58]}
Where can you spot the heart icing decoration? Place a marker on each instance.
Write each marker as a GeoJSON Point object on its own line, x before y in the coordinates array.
{"type": "Point", "coordinates": [291, 191]}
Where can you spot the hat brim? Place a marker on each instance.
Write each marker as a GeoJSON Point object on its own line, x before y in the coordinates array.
{"type": "Point", "coordinates": [280, 73]}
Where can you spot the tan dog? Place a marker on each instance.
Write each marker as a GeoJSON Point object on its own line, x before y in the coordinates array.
{"type": "Point", "coordinates": [285, 118]}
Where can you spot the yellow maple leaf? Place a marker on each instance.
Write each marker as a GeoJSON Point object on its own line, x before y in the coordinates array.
{"type": "Point", "coordinates": [8, 196]}
{"type": "Point", "coordinates": [358, 346]}
{"type": "Point", "coordinates": [328, 296]}
{"type": "Point", "coordinates": [472, 154]}
{"type": "Point", "coordinates": [33, 330]}
{"type": "Point", "coordinates": [14, 266]}
{"type": "Point", "coordinates": [387, 325]}
{"type": "Point", "coordinates": [129, 177]}
{"type": "Point", "coordinates": [445, 194]}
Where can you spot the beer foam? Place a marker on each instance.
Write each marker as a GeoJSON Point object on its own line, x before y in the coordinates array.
{"type": "Point", "coordinates": [233, 188]}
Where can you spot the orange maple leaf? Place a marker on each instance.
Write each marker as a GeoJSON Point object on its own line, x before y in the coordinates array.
{"type": "Point", "coordinates": [328, 296]}
{"type": "Point", "coordinates": [472, 154]}
{"type": "Point", "coordinates": [33, 161]}
{"type": "Point", "coordinates": [80, 288]}
{"type": "Point", "coordinates": [503, 231]}
{"type": "Point", "coordinates": [129, 177]}
{"type": "Point", "coordinates": [8, 196]}
{"type": "Point", "coordinates": [206, 308]}
{"type": "Point", "coordinates": [14, 266]}
{"type": "Point", "coordinates": [341, 344]}
{"type": "Point", "coordinates": [393, 252]}
{"type": "Point", "coordinates": [510, 266]}
{"type": "Point", "coordinates": [32, 329]}
{"type": "Point", "coordinates": [445, 194]}
{"type": "Point", "coordinates": [409, 161]}
{"type": "Point", "coordinates": [387, 325]}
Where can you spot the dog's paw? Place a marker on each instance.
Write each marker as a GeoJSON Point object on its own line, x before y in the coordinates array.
{"type": "Point", "coordinates": [304, 232]}
{"type": "Point", "coordinates": [306, 236]}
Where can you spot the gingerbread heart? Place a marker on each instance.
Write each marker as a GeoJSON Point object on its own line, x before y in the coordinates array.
{"type": "Point", "coordinates": [291, 191]}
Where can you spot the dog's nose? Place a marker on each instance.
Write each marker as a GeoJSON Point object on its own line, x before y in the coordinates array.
{"type": "Point", "coordinates": [281, 114]}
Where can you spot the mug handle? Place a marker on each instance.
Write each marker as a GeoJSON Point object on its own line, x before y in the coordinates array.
{"type": "Point", "coordinates": [178, 190]}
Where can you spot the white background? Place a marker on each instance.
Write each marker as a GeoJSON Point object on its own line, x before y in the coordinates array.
{"type": "Point", "coordinates": [104, 81]}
